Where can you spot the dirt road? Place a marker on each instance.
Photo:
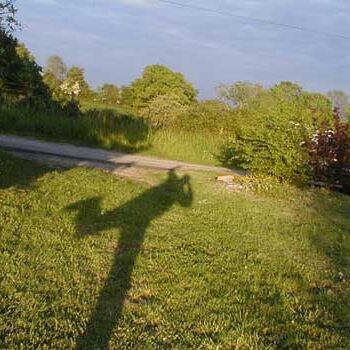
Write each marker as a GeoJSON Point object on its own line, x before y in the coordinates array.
{"type": "Point", "coordinates": [69, 155]}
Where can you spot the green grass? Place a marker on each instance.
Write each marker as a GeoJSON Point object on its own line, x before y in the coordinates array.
{"type": "Point", "coordinates": [201, 148]}
{"type": "Point", "coordinates": [104, 128]}
{"type": "Point", "coordinates": [114, 128]}
{"type": "Point", "coordinates": [89, 259]}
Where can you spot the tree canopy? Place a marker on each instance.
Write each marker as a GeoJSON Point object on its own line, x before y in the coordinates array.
{"type": "Point", "coordinates": [239, 94]}
{"type": "Point", "coordinates": [109, 94]}
{"type": "Point", "coordinates": [160, 80]}
{"type": "Point", "coordinates": [75, 83]}
{"type": "Point", "coordinates": [20, 76]}
{"type": "Point", "coordinates": [56, 67]}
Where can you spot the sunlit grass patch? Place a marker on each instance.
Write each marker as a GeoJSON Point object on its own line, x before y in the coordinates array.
{"type": "Point", "coordinates": [198, 269]}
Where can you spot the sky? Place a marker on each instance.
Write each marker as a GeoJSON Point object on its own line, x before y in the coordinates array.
{"type": "Point", "coordinates": [113, 40]}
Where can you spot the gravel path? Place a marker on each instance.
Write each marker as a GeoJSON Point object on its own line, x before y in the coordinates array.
{"type": "Point", "coordinates": [64, 154]}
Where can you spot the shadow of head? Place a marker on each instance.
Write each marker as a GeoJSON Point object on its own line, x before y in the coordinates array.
{"type": "Point", "coordinates": [180, 187]}
{"type": "Point", "coordinates": [91, 218]}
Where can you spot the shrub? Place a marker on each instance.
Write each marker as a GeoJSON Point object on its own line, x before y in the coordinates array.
{"type": "Point", "coordinates": [270, 147]}
{"type": "Point", "coordinates": [70, 108]}
{"type": "Point", "coordinates": [164, 110]}
{"type": "Point", "coordinates": [271, 130]}
{"type": "Point", "coordinates": [329, 151]}
{"type": "Point", "coordinates": [109, 94]}
{"type": "Point", "coordinates": [211, 116]}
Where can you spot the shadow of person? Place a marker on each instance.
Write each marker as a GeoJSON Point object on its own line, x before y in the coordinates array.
{"type": "Point", "coordinates": [132, 219]}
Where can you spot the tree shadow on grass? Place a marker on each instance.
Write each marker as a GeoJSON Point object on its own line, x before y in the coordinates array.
{"type": "Point", "coordinates": [19, 172]}
{"type": "Point", "coordinates": [115, 130]}
{"type": "Point", "coordinates": [132, 219]}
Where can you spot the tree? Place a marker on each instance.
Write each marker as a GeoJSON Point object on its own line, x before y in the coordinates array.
{"type": "Point", "coordinates": [160, 80]}
{"type": "Point", "coordinates": [239, 94]}
{"type": "Point", "coordinates": [126, 96]}
{"type": "Point", "coordinates": [53, 84]}
{"type": "Point", "coordinates": [8, 21]}
{"type": "Point", "coordinates": [109, 94]}
{"type": "Point", "coordinates": [340, 101]}
{"type": "Point", "coordinates": [75, 83]}
{"type": "Point", "coordinates": [56, 67]}
{"type": "Point", "coordinates": [287, 88]}
{"type": "Point", "coordinates": [20, 76]}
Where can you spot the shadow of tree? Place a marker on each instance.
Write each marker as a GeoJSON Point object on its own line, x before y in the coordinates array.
{"type": "Point", "coordinates": [132, 218]}
{"type": "Point", "coordinates": [18, 172]}
{"type": "Point", "coordinates": [121, 131]}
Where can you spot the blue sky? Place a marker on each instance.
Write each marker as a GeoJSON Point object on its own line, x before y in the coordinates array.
{"type": "Point", "coordinates": [113, 40]}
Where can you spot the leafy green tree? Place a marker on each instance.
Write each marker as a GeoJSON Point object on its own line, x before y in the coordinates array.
{"type": "Point", "coordinates": [54, 74]}
{"type": "Point", "coordinates": [109, 94]}
{"type": "Point", "coordinates": [29, 73]}
{"type": "Point", "coordinates": [8, 55]}
{"type": "Point", "coordinates": [20, 76]}
{"type": "Point", "coordinates": [23, 53]}
{"type": "Point", "coordinates": [287, 89]}
{"type": "Point", "coordinates": [239, 94]}
{"type": "Point", "coordinates": [75, 84]}
{"type": "Point", "coordinates": [53, 84]}
{"type": "Point", "coordinates": [159, 80]}
{"type": "Point", "coordinates": [56, 67]}
{"type": "Point", "coordinates": [9, 62]}
{"type": "Point", "coordinates": [126, 96]}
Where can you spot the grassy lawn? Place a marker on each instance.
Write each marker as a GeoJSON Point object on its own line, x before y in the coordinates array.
{"type": "Point", "coordinates": [88, 259]}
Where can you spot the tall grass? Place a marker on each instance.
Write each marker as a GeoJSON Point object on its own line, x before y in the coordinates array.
{"type": "Point", "coordinates": [116, 129]}
{"type": "Point", "coordinates": [106, 129]}
{"type": "Point", "coordinates": [195, 147]}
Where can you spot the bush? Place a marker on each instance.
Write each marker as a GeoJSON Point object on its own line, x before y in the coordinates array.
{"type": "Point", "coordinates": [271, 130]}
{"type": "Point", "coordinates": [209, 116]}
{"type": "Point", "coordinates": [329, 151]}
{"type": "Point", "coordinates": [70, 108]}
{"type": "Point", "coordinates": [164, 110]}
{"type": "Point", "coordinates": [271, 147]}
